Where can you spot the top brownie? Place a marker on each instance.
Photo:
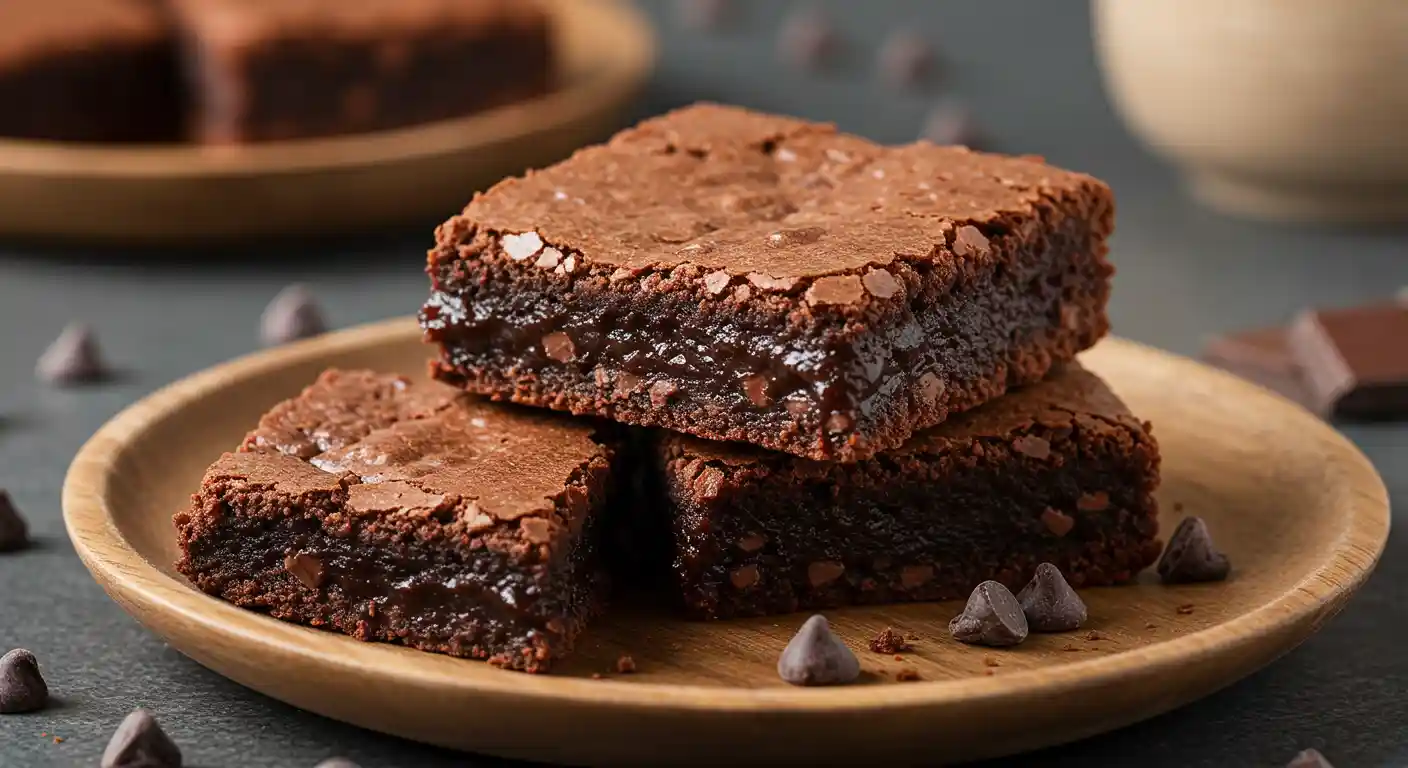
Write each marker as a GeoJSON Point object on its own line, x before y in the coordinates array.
{"type": "Point", "coordinates": [740, 276]}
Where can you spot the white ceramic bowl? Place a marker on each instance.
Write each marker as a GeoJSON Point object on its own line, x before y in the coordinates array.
{"type": "Point", "coordinates": [1288, 109]}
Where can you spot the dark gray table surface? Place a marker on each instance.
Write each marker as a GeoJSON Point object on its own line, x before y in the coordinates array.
{"type": "Point", "coordinates": [1028, 70]}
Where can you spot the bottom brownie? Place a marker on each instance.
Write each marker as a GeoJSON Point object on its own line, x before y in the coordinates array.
{"type": "Point", "coordinates": [1058, 472]}
{"type": "Point", "coordinates": [408, 514]}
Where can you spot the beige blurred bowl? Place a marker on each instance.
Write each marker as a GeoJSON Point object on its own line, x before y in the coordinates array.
{"type": "Point", "coordinates": [1286, 109]}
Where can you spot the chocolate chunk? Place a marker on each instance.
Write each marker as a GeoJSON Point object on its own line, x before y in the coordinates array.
{"type": "Point", "coordinates": [1354, 361]}
{"type": "Point", "coordinates": [905, 60]}
{"type": "Point", "coordinates": [704, 15]}
{"type": "Point", "coordinates": [140, 743]}
{"type": "Point", "coordinates": [73, 358]}
{"type": "Point", "coordinates": [1191, 556]}
{"type": "Point", "coordinates": [22, 688]}
{"type": "Point", "coordinates": [306, 568]}
{"type": "Point", "coordinates": [1262, 357]}
{"type": "Point", "coordinates": [815, 656]}
{"type": "Point", "coordinates": [991, 617]}
{"type": "Point", "coordinates": [292, 315]}
{"type": "Point", "coordinates": [1310, 758]}
{"type": "Point", "coordinates": [1049, 603]}
{"type": "Point", "coordinates": [558, 346]}
{"type": "Point", "coordinates": [14, 533]}
{"type": "Point", "coordinates": [337, 762]}
{"type": "Point", "coordinates": [807, 40]}
{"type": "Point", "coordinates": [951, 123]}
{"type": "Point", "coordinates": [889, 641]}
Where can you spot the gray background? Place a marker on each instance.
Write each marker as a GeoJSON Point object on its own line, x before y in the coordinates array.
{"type": "Point", "coordinates": [1026, 68]}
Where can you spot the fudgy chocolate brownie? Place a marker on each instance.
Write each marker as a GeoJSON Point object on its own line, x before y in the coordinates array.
{"type": "Point", "coordinates": [410, 514]}
{"type": "Point", "coordinates": [740, 276]}
{"type": "Point", "coordinates": [264, 70]}
{"type": "Point", "coordinates": [1058, 472]}
{"type": "Point", "coordinates": [87, 70]}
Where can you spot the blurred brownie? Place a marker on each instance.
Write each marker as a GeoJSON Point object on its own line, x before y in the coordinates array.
{"type": "Point", "coordinates": [740, 276]}
{"type": "Point", "coordinates": [408, 514]}
{"type": "Point", "coordinates": [87, 70]}
{"type": "Point", "coordinates": [1058, 472]}
{"type": "Point", "coordinates": [263, 70]}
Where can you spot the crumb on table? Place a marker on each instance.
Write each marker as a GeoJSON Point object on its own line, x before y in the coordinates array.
{"type": "Point", "coordinates": [1185, 609]}
{"type": "Point", "coordinates": [907, 675]}
{"type": "Point", "coordinates": [625, 665]}
{"type": "Point", "coordinates": [889, 640]}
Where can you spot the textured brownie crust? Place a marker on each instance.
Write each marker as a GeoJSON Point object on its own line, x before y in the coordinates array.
{"type": "Point", "coordinates": [1058, 472]}
{"type": "Point", "coordinates": [407, 514]}
{"type": "Point", "coordinates": [739, 276]}
{"type": "Point", "coordinates": [297, 68]}
{"type": "Point", "coordinates": [87, 70]}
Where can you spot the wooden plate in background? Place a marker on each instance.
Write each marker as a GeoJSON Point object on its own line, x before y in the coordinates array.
{"type": "Point", "coordinates": [1301, 512]}
{"type": "Point", "coordinates": [188, 193]}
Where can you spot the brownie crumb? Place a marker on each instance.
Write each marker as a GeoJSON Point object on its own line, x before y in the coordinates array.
{"type": "Point", "coordinates": [1070, 648]}
{"type": "Point", "coordinates": [889, 641]}
{"type": "Point", "coordinates": [596, 675]}
{"type": "Point", "coordinates": [1094, 635]}
{"type": "Point", "coordinates": [907, 675]}
{"type": "Point", "coordinates": [58, 739]}
{"type": "Point", "coordinates": [899, 657]}
{"type": "Point", "coordinates": [626, 665]}
{"type": "Point", "coordinates": [991, 661]}
{"type": "Point", "coordinates": [1185, 609]}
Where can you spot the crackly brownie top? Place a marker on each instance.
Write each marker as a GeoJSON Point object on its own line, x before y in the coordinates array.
{"type": "Point", "coordinates": [248, 22]}
{"type": "Point", "coordinates": [398, 447]}
{"type": "Point", "coordinates": [41, 26]}
{"type": "Point", "coordinates": [729, 189]}
{"type": "Point", "coordinates": [1073, 397]}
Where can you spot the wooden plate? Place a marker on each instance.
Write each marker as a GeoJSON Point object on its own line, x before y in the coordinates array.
{"type": "Point", "coordinates": [53, 190]}
{"type": "Point", "coordinates": [1301, 512]}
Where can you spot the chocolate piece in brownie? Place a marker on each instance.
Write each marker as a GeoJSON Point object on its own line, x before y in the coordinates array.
{"type": "Point", "coordinates": [1058, 472]}
{"type": "Point", "coordinates": [739, 276]}
{"type": "Point", "coordinates": [87, 70]}
{"type": "Point", "coordinates": [264, 70]}
{"type": "Point", "coordinates": [409, 514]}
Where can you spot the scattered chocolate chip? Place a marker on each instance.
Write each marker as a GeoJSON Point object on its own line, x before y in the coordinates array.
{"type": "Point", "coordinates": [1049, 603]}
{"type": "Point", "coordinates": [140, 743]}
{"type": "Point", "coordinates": [807, 40]}
{"type": "Point", "coordinates": [1057, 522]}
{"type": "Point", "coordinates": [625, 665]}
{"type": "Point", "coordinates": [992, 617]}
{"type": "Point", "coordinates": [704, 15]}
{"type": "Point", "coordinates": [889, 641]}
{"type": "Point", "coordinates": [72, 358]}
{"type": "Point", "coordinates": [815, 656]}
{"type": "Point", "coordinates": [1185, 609]}
{"type": "Point", "coordinates": [824, 572]}
{"type": "Point", "coordinates": [951, 124]}
{"type": "Point", "coordinates": [14, 532]}
{"type": "Point", "coordinates": [1191, 556]}
{"type": "Point", "coordinates": [292, 315]}
{"type": "Point", "coordinates": [907, 675]}
{"type": "Point", "coordinates": [22, 687]}
{"type": "Point", "coordinates": [905, 60]}
{"type": "Point", "coordinates": [1310, 758]}
{"type": "Point", "coordinates": [337, 762]}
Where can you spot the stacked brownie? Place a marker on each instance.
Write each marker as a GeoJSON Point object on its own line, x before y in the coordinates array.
{"type": "Point", "coordinates": [848, 370]}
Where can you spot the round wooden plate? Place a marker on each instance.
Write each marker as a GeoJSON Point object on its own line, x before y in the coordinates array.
{"type": "Point", "coordinates": [176, 193]}
{"type": "Point", "coordinates": [1301, 512]}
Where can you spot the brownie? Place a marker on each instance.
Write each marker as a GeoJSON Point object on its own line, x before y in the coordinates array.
{"type": "Point", "coordinates": [87, 70]}
{"type": "Point", "coordinates": [740, 276]}
{"type": "Point", "coordinates": [409, 514]}
{"type": "Point", "coordinates": [1058, 472]}
{"type": "Point", "coordinates": [262, 70]}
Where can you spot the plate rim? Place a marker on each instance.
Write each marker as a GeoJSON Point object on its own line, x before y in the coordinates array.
{"type": "Point", "coordinates": [626, 65]}
{"type": "Point", "coordinates": [139, 586]}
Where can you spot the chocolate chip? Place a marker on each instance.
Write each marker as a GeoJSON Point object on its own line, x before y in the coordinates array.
{"type": "Point", "coordinates": [337, 762]}
{"type": "Point", "coordinates": [716, 282]}
{"type": "Point", "coordinates": [744, 577]}
{"type": "Point", "coordinates": [1310, 758]}
{"type": "Point", "coordinates": [1191, 556]}
{"type": "Point", "coordinates": [992, 617]}
{"type": "Point", "coordinates": [22, 688]}
{"type": "Point", "coordinates": [14, 533]}
{"type": "Point", "coordinates": [1033, 447]}
{"type": "Point", "coordinates": [912, 576]}
{"type": "Point", "coordinates": [72, 358]}
{"type": "Point", "coordinates": [520, 247]}
{"type": "Point", "coordinates": [756, 386]}
{"type": "Point", "coordinates": [661, 392]}
{"type": "Point", "coordinates": [889, 641]}
{"type": "Point", "coordinates": [807, 40]}
{"type": "Point", "coordinates": [905, 60]}
{"type": "Point", "coordinates": [140, 743]}
{"type": "Point", "coordinates": [625, 665]}
{"type": "Point", "coordinates": [815, 656]}
{"type": "Point", "coordinates": [306, 568]}
{"type": "Point", "coordinates": [1098, 501]}
{"type": "Point", "coordinates": [835, 289]}
{"type": "Point", "coordinates": [881, 284]}
{"type": "Point", "coordinates": [1057, 522]}
{"type": "Point", "coordinates": [950, 124]}
{"type": "Point", "coordinates": [823, 572]}
{"type": "Point", "coordinates": [558, 346]}
{"type": "Point", "coordinates": [1049, 603]}
{"type": "Point", "coordinates": [292, 315]}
